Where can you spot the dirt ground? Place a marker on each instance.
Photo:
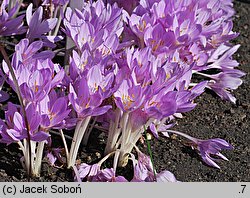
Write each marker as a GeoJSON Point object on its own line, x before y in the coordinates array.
{"type": "Point", "coordinates": [212, 118]}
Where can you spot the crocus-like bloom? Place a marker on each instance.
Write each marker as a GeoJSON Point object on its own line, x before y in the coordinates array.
{"type": "Point", "coordinates": [8, 24]}
{"type": "Point", "coordinates": [162, 105]}
{"type": "Point", "coordinates": [34, 70]}
{"type": "Point", "coordinates": [40, 81]}
{"type": "Point", "coordinates": [27, 60]}
{"type": "Point", "coordinates": [224, 81]}
{"type": "Point", "coordinates": [207, 148]}
{"type": "Point", "coordinates": [87, 171]}
{"type": "Point", "coordinates": [54, 111]}
{"type": "Point", "coordinates": [27, 53]}
{"type": "Point", "coordinates": [84, 102]}
{"type": "Point", "coordinates": [15, 128]}
{"type": "Point", "coordinates": [53, 155]}
{"type": "Point", "coordinates": [211, 147]}
{"type": "Point", "coordinates": [185, 97]}
{"type": "Point", "coordinates": [128, 96]}
{"type": "Point", "coordinates": [144, 171]}
{"type": "Point", "coordinates": [39, 27]}
{"type": "Point", "coordinates": [222, 57]}
{"type": "Point", "coordinates": [188, 33]}
{"type": "Point", "coordinates": [96, 27]}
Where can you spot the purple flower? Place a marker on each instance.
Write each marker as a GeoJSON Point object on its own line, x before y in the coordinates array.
{"type": "Point", "coordinates": [38, 85]}
{"type": "Point", "coordinates": [39, 27]}
{"type": "Point", "coordinates": [165, 176]}
{"type": "Point", "coordinates": [144, 172]}
{"type": "Point", "coordinates": [129, 96]}
{"type": "Point", "coordinates": [207, 148]}
{"type": "Point", "coordinates": [225, 81]}
{"type": "Point", "coordinates": [15, 128]}
{"type": "Point", "coordinates": [27, 53]}
{"type": "Point", "coordinates": [35, 72]}
{"type": "Point", "coordinates": [98, 82]}
{"type": "Point", "coordinates": [96, 27]}
{"type": "Point", "coordinates": [53, 155]}
{"type": "Point", "coordinates": [222, 57]}
{"type": "Point", "coordinates": [185, 97]}
{"type": "Point", "coordinates": [88, 171]}
{"type": "Point", "coordinates": [54, 111]}
{"type": "Point", "coordinates": [108, 175]}
{"type": "Point", "coordinates": [212, 147]}
{"type": "Point", "coordinates": [161, 105]}
{"type": "Point", "coordinates": [84, 102]}
{"type": "Point", "coordinates": [158, 39]}
{"type": "Point", "coordinates": [27, 60]}
{"type": "Point", "coordinates": [34, 121]}
{"type": "Point", "coordinates": [8, 24]}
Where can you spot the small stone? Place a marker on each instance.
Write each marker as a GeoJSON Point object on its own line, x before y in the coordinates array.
{"type": "Point", "coordinates": [98, 155]}
{"type": "Point", "coordinates": [149, 136]}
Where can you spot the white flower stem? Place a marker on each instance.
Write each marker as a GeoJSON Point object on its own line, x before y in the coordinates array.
{"type": "Point", "coordinates": [195, 140]}
{"type": "Point", "coordinates": [38, 161]}
{"type": "Point", "coordinates": [126, 131]}
{"type": "Point", "coordinates": [87, 134]}
{"type": "Point", "coordinates": [130, 139]}
{"type": "Point", "coordinates": [27, 157]}
{"type": "Point", "coordinates": [64, 143]}
{"type": "Point", "coordinates": [78, 135]}
{"type": "Point", "coordinates": [202, 74]}
{"type": "Point", "coordinates": [106, 157]}
{"type": "Point", "coordinates": [113, 133]}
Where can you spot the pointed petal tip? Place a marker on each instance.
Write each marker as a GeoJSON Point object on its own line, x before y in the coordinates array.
{"type": "Point", "coordinates": [222, 156]}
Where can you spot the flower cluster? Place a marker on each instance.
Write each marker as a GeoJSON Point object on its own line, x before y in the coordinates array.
{"type": "Point", "coordinates": [130, 69]}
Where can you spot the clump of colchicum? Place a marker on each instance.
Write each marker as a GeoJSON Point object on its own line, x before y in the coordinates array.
{"type": "Point", "coordinates": [131, 68]}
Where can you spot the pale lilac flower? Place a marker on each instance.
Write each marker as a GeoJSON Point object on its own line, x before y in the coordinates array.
{"type": "Point", "coordinates": [86, 171]}
{"type": "Point", "coordinates": [161, 106]}
{"type": "Point", "coordinates": [144, 171]}
{"type": "Point", "coordinates": [84, 102]}
{"type": "Point", "coordinates": [129, 96]}
{"type": "Point", "coordinates": [54, 155]}
{"type": "Point", "coordinates": [8, 24]}
{"type": "Point", "coordinates": [222, 57]}
{"type": "Point", "coordinates": [54, 110]}
{"type": "Point", "coordinates": [185, 97]}
{"type": "Point", "coordinates": [211, 147]}
{"type": "Point", "coordinates": [108, 175]}
{"type": "Point", "coordinates": [16, 129]}
{"type": "Point", "coordinates": [208, 149]}
{"type": "Point", "coordinates": [96, 27]}
{"type": "Point", "coordinates": [165, 176]}
{"type": "Point", "coordinates": [38, 28]}
{"type": "Point", "coordinates": [158, 39]}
